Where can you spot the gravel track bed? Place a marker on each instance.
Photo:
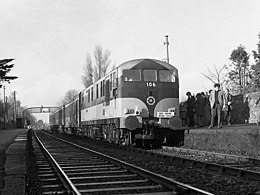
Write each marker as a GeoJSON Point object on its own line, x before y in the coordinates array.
{"type": "Point", "coordinates": [204, 158]}
{"type": "Point", "coordinates": [213, 159]}
{"type": "Point", "coordinates": [199, 178]}
{"type": "Point", "coordinates": [224, 151]}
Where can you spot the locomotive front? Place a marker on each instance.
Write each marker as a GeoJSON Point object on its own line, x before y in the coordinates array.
{"type": "Point", "coordinates": [149, 90]}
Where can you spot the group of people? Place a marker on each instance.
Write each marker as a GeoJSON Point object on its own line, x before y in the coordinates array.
{"type": "Point", "coordinates": [219, 102]}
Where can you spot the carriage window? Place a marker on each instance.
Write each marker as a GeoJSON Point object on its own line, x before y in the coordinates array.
{"type": "Point", "coordinates": [132, 75]}
{"type": "Point", "coordinates": [150, 75]}
{"type": "Point", "coordinates": [110, 82]}
{"type": "Point", "coordinates": [92, 94]}
{"type": "Point", "coordinates": [97, 88]}
{"type": "Point", "coordinates": [114, 80]}
{"type": "Point", "coordinates": [167, 76]}
{"type": "Point", "coordinates": [82, 98]}
{"type": "Point", "coordinates": [101, 89]}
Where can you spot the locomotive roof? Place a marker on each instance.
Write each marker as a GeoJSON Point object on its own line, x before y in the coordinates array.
{"type": "Point", "coordinates": [132, 63]}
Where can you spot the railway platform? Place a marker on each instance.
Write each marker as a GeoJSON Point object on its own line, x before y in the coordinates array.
{"type": "Point", "coordinates": [241, 138]}
{"type": "Point", "coordinates": [250, 128]}
{"type": "Point", "coordinates": [13, 161]}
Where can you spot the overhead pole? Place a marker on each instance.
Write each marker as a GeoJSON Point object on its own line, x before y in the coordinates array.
{"type": "Point", "coordinates": [4, 108]}
{"type": "Point", "coordinates": [14, 109]}
{"type": "Point", "coordinates": [167, 48]}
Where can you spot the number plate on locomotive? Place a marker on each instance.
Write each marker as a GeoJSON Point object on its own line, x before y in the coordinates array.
{"type": "Point", "coordinates": [165, 114]}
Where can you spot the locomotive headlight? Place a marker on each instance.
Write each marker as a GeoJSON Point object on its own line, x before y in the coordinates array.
{"type": "Point", "coordinates": [150, 100]}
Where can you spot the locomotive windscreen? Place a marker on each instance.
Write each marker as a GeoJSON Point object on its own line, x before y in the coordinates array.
{"type": "Point", "coordinates": [132, 75]}
{"type": "Point", "coordinates": [166, 76]}
{"type": "Point", "coordinates": [150, 75]}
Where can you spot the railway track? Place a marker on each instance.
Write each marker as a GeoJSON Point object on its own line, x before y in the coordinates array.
{"type": "Point", "coordinates": [220, 163]}
{"type": "Point", "coordinates": [223, 163]}
{"type": "Point", "coordinates": [67, 168]}
{"type": "Point", "coordinates": [211, 156]}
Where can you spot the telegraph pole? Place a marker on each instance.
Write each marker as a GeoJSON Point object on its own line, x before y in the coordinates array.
{"type": "Point", "coordinates": [167, 48]}
{"type": "Point", "coordinates": [4, 107]}
{"type": "Point", "coordinates": [14, 110]}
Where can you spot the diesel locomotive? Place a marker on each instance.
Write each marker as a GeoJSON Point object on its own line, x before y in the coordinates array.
{"type": "Point", "coordinates": [137, 103]}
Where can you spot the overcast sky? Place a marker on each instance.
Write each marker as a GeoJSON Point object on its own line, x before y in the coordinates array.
{"type": "Point", "coordinates": [49, 39]}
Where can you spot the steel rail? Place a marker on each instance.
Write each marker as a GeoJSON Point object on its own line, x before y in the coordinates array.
{"type": "Point", "coordinates": [68, 184]}
{"type": "Point", "coordinates": [167, 182]}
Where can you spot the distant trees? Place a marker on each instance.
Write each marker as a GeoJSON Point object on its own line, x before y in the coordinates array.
{"type": "Point", "coordinates": [239, 72]}
{"type": "Point", "coordinates": [87, 78]}
{"type": "Point", "coordinates": [240, 76]}
{"type": "Point", "coordinates": [243, 76]}
{"type": "Point", "coordinates": [6, 67]}
{"type": "Point", "coordinates": [30, 118]}
{"type": "Point", "coordinates": [8, 110]}
{"type": "Point", "coordinates": [256, 67]}
{"type": "Point", "coordinates": [1, 108]}
{"type": "Point", "coordinates": [97, 69]}
{"type": "Point", "coordinates": [93, 71]}
{"type": "Point", "coordinates": [11, 103]}
{"type": "Point", "coordinates": [69, 96]}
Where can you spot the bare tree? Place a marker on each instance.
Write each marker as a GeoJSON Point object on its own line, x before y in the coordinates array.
{"type": "Point", "coordinates": [99, 68]}
{"type": "Point", "coordinates": [87, 78]}
{"type": "Point", "coordinates": [217, 75]}
{"type": "Point", "coordinates": [11, 104]}
{"type": "Point", "coordinates": [69, 96]}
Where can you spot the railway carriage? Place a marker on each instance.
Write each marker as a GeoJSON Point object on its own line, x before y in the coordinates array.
{"type": "Point", "coordinates": [136, 103]}
{"type": "Point", "coordinates": [56, 120]}
{"type": "Point", "coordinates": [71, 116]}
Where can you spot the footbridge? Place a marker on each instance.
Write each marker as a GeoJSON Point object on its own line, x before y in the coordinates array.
{"type": "Point", "coordinates": [33, 110]}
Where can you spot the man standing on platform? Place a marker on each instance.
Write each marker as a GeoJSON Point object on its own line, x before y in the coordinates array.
{"type": "Point", "coordinates": [217, 101]}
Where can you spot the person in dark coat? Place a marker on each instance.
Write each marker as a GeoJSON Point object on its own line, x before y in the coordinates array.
{"type": "Point", "coordinates": [190, 108]}
{"type": "Point", "coordinates": [200, 109]}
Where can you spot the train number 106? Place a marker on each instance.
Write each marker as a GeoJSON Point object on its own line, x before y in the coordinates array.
{"type": "Point", "coordinates": [150, 84]}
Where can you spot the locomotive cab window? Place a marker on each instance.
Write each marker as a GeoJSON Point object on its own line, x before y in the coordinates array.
{"type": "Point", "coordinates": [167, 76]}
{"type": "Point", "coordinates": [150, 75]}
{"type": "Point", "coordinates": [132, 75]}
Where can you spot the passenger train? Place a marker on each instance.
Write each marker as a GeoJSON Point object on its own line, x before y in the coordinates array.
{"type": "Point", "coordinates": [137, 103]}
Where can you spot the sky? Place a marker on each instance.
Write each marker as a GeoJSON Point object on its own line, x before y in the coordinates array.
{"type": "Point", "coordinates": [50, 39]}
